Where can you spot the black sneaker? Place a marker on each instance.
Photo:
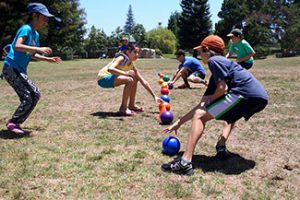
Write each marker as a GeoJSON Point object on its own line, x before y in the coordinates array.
{"type": "Point", "coordinates": [222, 152]}
{"type": "Point", "coordinates": [203, 82]}
{"type": "Point", "coordinates": [178, 168]}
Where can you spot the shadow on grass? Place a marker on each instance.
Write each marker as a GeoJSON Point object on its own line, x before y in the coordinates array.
{"type": "Point", "coordinates": [234, 164]}
{"type": "Point", "coordinates": [102, 114]}
{"type": "Point", "coordinates": [5, 134]}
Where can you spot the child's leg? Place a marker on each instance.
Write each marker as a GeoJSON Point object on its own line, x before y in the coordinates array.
{"type": "Point", "coordinates": [227, 128]}
{"type": "Point", "coordinates": [197, 77]}
{"type": "Point", "coordinates": [186, 84]}
{"type": "Point", "coordinates": [26, 90]}
{"type": "Point", "coordinates": [129, 83]}
{"type": "Point", "coordinates": [132, 105]}
{"type": "Point", "coordinates": [198, 124]}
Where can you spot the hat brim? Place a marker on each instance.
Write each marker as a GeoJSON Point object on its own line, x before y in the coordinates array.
{"type": "Point", "coordinates": [230, 35]}
{"type": "Point", "coordinates": [46, 14]}
{"type": "Point", "coordinates": [197, 47]}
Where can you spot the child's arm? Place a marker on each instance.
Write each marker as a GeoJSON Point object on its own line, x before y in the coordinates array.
{"type": "Point", "coordinates": [48, 59]}
{"type": "Point", "coordinates": [188, 116]}
{"type": "Point", "coordinates": [146, 85]}
{"type": "Point", "coordinates": [113, 70]}
{"type": "Point", "coordinates": [19, 46]}
{"type": "Point", "coordinates": [220, 90]}
{"type": "Point", "coordinates": [239, 60]}
{"type": "Point", "coordinates": [179, 74]}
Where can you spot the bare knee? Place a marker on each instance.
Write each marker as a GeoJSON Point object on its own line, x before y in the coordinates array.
{"type": "Point", "coordinates": [199, 113]}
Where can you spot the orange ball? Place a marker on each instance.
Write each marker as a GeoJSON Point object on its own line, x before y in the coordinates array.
{"type": "Point", "coordinates": [165, 105]}
{"type": "Point", "coordinates": [164, 85]}
{"type": "Point", "coordinates": [160, 81]}
{"type": "Point", "coordinates": [163, 109]}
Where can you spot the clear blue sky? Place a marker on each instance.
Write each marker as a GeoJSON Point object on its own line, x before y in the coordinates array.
{"type": "Point", "coordinates": [109, 14]}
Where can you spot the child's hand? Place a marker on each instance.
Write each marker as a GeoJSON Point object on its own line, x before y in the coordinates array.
{"type": "Point", "coordinates": [55, 60]}
{"type": "Point", "coordinates": [45, 50]}
{"type": "Point", "coordinates": [158, 100]}
{"type": "Point", "coordinates": [173, 127]}
{"type": "Point", "coordinates": [131, 73]}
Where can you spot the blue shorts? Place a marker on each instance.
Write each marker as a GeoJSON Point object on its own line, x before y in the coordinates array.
{"type": "Point", "coordinates": [107, 82]}
{"type": "Point", "coordinates": [232, 107]}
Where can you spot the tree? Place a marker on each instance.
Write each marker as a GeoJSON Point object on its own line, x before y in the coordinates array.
{"type": "Point", "coordinates": [173, 23]}
{"type": "Point", "coordinates": [249, 16]}
{"type": "Point", "coordinates": [67, 35]}
{"type": "Point", "coordinates": [139, 34]}
{"type": "Point", "coordinates": [129, 24]}
{"type": "Point", "coordinates": [162, 39]}
{"type": "Point", "coordinates": [13, 14]}
{"type": "Point", "coordinates": [290, 25]}
{"type": "Point", "coordinates": [95, 43]}
{"type": "Point", "coordinates": [232, 15]}
{"type": "Point", "coordinates": [64, 38]}
{"type": "Point", "coordinates": [194, 23]}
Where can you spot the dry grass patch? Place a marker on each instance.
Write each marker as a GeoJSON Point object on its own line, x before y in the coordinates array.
{"type": "Point", "coordinates": [80, 149]}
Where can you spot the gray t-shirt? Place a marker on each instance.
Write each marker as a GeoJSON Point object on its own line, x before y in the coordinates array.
{"type": "Point", "coordinates": [239, 80]}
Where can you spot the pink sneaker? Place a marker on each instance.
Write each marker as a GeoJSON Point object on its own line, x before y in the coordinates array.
{"type": "Point", "coordinates": [15, 128]}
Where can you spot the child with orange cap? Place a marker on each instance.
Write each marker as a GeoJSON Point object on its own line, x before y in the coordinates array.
{"type": "Point", "coordinates": [232, 93]}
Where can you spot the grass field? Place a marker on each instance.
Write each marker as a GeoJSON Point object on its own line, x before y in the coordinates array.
{"type": "Point", "coordinates": [80, 149]}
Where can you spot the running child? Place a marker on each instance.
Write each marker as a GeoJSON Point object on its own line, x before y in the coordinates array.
{"type": "Point", "coordinates": [24, 47]}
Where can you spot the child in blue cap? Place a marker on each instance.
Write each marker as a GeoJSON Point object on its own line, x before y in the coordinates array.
{"type": "Point", "coordinates": [24, 47]}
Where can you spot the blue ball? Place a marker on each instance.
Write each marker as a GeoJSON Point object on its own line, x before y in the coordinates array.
{"type": "Point", "coordinates": [165, 98]}
{"type": "Point", "coordinates": [166, 117]}
{"type": "Point", "coordinates": [171, 145]}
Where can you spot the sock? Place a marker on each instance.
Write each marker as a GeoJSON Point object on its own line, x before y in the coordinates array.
{"type": "Point", "coordinates": [184, 162]}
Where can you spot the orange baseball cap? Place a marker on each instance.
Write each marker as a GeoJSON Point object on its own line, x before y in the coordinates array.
{"type": "Point", "coordinates": [213, 42]}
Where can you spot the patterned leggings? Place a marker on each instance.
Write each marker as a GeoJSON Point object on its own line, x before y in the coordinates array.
{"type": "Point", "coordinates": [27, 91]}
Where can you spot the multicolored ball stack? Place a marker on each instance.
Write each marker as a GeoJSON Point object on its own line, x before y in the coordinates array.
{"type": "Point", "coordinates": [166, 116]}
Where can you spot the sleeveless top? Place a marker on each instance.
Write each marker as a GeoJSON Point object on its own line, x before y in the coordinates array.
{"type": "Point", "coordinates": [125, 66]}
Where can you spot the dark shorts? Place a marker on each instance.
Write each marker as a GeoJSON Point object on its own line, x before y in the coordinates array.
{"type": "Point", "coordinates": [246, 65]}
{"type": "Point", "coordinates": [197, 74]}
{"type": "Point", "coordinates": [231, 107]}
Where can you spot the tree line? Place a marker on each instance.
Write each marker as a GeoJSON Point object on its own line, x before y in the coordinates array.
{"type": "Point", "coordinates": [269, 25]}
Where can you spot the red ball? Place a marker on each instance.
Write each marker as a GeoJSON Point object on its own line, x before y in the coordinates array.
{"type": "Point", "coordinates": [164, 91]}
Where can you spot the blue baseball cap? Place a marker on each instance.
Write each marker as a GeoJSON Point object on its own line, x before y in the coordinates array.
{"type": "Point", "coordinates": [42, 9]}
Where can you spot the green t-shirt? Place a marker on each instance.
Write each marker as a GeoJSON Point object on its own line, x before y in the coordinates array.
{"type": "Point", "coordinates": [241, 49]}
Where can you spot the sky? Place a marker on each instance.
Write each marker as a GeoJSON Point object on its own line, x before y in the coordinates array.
{"type": "Point", "coordinates": [109, 14]}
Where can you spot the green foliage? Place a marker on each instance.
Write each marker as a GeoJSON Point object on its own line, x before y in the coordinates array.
{"type": "Point", "coordinates": [96, 43]}
{"type": "Point", "coordinates": [13, 14]}
{"type": "Point", "coordinates": [173, 23]}
{"type": "Point", "coordinates": [158, 52]}
{"type": "Point", "coordinates": [139, 34]}
{"type": "Point", "coordinates": [291, 24]}
{"type": "Point", "coordinates": [66, 34]}
{"type": "Point", "coordinates": [261, 52]}
{"type": "Point", "coordinates": [232, 14]}
{"type": "Point", "coordinates": [264, 23]}
{"type": "Point", "coordinates": [163, 39]}
{"type": "Point", "coordinates": [194, 23]}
